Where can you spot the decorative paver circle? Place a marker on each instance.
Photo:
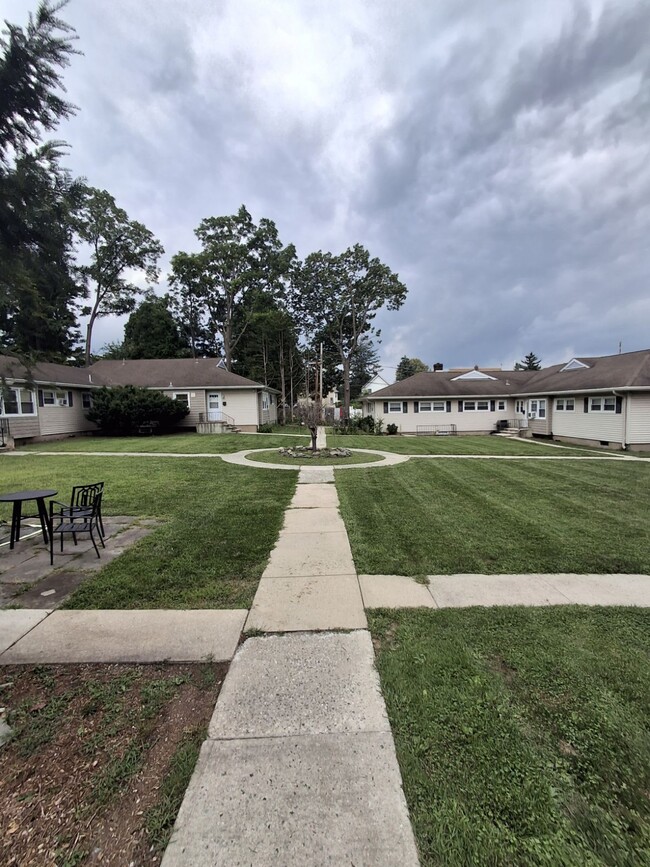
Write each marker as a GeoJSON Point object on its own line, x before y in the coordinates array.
{"type": "Point", "coordinates": [388, 459]}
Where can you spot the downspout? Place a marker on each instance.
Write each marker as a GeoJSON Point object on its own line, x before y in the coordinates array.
{"type": "Point", "coordinates": [624, 399]}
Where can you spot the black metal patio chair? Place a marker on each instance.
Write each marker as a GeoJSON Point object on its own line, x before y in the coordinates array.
{"type": "Point", "coordinates": [78, 520]}
{"type": "Point", "coordinates": [81, 502]}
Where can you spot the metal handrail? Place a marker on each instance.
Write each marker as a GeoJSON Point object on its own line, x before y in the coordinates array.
{"type": "Point", "coordinates": [222, 417]}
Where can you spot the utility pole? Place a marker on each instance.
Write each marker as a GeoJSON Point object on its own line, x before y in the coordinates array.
{"type": "Point", "coordinates": [321, 374]}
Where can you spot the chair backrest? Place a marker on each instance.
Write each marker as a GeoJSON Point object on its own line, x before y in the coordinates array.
{"type": "Point", "coordinates": [84, 496]}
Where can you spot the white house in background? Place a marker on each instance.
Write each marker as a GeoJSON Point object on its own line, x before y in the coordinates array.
{"type": "Point", "coordinates": [51, 400]}
{"type": "Point", "coordinates": [375, 384]}
{"type": "Point", "coordinates": [592, 400]}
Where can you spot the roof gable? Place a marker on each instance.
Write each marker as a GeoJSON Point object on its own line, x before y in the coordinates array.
{"type": "Point", "coordinates": [473, 374]}
{"type": "Point", "coordinates": [574, 364]}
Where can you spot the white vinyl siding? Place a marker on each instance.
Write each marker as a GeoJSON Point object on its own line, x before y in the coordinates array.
{"type": "Point", "coordinates": [638, 418]}
{"type": "Point", "coordinates": [597, 426]}
{"type": "Point", "coordinates": [443, 412]}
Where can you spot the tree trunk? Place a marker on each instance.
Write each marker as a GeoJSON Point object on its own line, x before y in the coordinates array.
{"type": "Point", "coordinates": [346, 388]}
{"type": "Point", "coordinates": [314, 434]}
{"type": "Point", "coordinates": [89, 336]}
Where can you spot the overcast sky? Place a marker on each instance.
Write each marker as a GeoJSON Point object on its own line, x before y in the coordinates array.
{"type": "Point", "coordinates": [495, 155]}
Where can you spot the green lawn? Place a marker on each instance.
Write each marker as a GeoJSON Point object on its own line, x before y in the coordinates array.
{"type": "Point", "coordinates": [445, 517]}
{"type": "Point", "coordinates": [459, 445]}
{"type": "Point", "coordinates": [522, 734]}
{"type": "Point", "coordinates": [187, 443]}
{"type": "Point", "coordinates": [220, 524]}
{"type": "Point", "coordinates": [272, 457]}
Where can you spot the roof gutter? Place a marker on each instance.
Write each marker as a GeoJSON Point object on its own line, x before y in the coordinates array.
{"type": "Point", "coordinates": [542, 392]}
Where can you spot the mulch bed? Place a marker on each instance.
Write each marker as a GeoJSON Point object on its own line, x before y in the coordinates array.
{"type": "Point", "coordinates": [99, 759]}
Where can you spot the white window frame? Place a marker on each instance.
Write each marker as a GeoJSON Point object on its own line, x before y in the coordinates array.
{"type": "Point", "coordinates": [565, 404]}
{"type": "Point", "coordinates": [501, 405]}
{"type": "Point", "coordinates": [62, 398]}
{"type": "Point", "coordinates": [425, 405]}
{"type": "Point", "coordinates": [537, 408]}
{"type": "Point", "coordinates": [598, 404]}
{"type": "Point", "coordinates": [19, 402]}
{"type": "Point", "coordinates": [179, 395]}
{"type": "Point", "coordinates": [86, 400]}
{"type": "Point", "coordinates": [439, 406]}
{"type": "Point", "coordinates": [520, 406]}
{"type": "Point", "coordinates": [265, 400]}
{"type": "Point", "coordinates": [49, 397]}
{"type": "Point", "coordinates": [473, 405]}
{"type": "Point", "coordinates": [394, 403]}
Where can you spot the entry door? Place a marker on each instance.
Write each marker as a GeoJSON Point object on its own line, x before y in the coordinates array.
{"type": "Point", "coordinates": [214, 406]}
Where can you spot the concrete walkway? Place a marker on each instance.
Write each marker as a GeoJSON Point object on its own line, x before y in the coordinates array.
{"type": "Point", "coordinates": [299, 768]}
{"type": "Point", "coordinates": [29, 636]}
{"type": "Point", "coordinates": [388, 459]}
{"type": "Point", "coordinates": [461, 591]}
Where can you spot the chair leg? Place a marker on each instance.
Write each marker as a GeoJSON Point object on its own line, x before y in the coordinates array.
{"type": "Point", "coordinates": [62, 543]}
{"type": "Point", "coordinates": [101, 525]}
{"type": "Point", "coordinates": [92, 539]}
{"type": "Point", "coordinates": [52, 547]}
{"type": "Point", "coordinates": [74, 539]}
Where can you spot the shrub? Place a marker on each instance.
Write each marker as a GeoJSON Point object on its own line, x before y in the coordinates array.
{"type": "Point", "coordinates": [367, 425]}
{"type": "Point", "coordinates": [391, 429]}
{"type": "Point", "coordinates": [265, 428]}
{"type": "Point", "coordinates": [122, 410]}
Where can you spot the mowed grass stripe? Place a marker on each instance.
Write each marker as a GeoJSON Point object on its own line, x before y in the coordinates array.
{"type": "Point", "coordinates": [457, 445]}
{"type": "Point", "coordinates": [184, 443]}
{"type": "Point", "coordinates": [220, 523]}
{"type": "Point", "coordinates": [521, 733]}
{"type": "Point", "coordinates": [424, 518]}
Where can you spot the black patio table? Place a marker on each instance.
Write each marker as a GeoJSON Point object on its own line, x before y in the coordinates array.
{"type": "Point", "coordinates": [20, 497]}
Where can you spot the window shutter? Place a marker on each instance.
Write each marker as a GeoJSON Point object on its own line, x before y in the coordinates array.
{"type": "Point", "coordinates": [619, 405]}
{"type": "Point", "coordinates": [386, 406]}
{"type": "Point", "coordinates": [405, 406]}
{"type": "Point", "coordinates": [460, 406]}
{"type": "Point", "coordinates": [448, 406]}
{"type": "Point", "coordinates": [69, 398]}
{"type": "Point", "coordinates": [586, 404]}
{"type": "Point", "coordinates": [41, 399]}
{"type": "Point", "coordinates": [492, 406]}
{"type": "Point", "coordinates": [416, 406]}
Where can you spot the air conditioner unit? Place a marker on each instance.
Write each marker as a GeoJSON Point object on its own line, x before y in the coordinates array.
{"type": "Point", "coordinates": [532, 415]}
{"type": "Point", "coordinates": [61, 401]}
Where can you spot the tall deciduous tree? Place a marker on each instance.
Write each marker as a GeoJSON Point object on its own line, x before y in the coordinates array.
{"type": "Point", "coordinates": [530, 362]}
{"type": "Point", "coordinates": [341, 295]}
{"type": "Point", "coordinates": [151, 332]}
{"type": "Point", "coordinates": [408, 367]}
{"type": "Point", "coordinates": [118, 247]}
{"type": "Point", "coordinates": [37, 197]}
{"type": "Point", "coordinates": [237, 258]}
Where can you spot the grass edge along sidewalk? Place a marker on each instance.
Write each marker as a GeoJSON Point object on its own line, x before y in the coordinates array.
{"type": "Point", "coordinates": [220, 523]}
{"type": "Point", "coordinates": [521, 733]}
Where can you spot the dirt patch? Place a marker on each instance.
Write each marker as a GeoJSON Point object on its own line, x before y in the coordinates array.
{"type": "Point", "coordinates": [503, 668]}
{"type": "Point", "coordinates": [99, 759]}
